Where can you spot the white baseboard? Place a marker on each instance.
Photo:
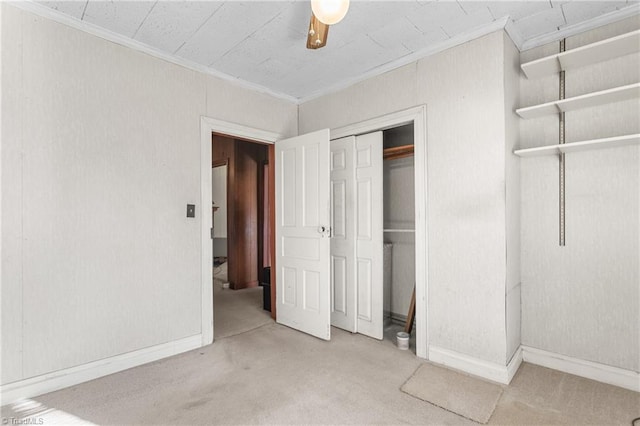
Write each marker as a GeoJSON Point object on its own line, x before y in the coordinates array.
{"type": "Point", "coordinates": [487, 370]}
{"type": "Point", "coordinates": [56, 380]}
{"type": "Point", "coordinates": [503, 374]}
{"type": "Point", "coordinates": [591, 370]}
{"type": "Point", "coordinates": [514, 364]}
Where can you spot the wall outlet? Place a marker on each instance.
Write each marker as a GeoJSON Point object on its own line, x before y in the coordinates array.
{"type": "Point", "coordinates": [191, 210]}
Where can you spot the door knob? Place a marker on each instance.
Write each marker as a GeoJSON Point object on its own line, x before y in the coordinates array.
{"type": "Point", "coordinates": [325, 231]}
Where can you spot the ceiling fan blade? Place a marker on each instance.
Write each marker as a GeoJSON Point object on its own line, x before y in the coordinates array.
{"type": "Point", "coordinates": [317, 35]}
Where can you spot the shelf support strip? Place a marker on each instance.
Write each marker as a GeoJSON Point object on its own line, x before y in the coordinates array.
{"type": "Point", "coordinates": [561, 171]}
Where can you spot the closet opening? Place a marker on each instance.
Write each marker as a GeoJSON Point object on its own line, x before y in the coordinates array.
{"type": "Point", "coordinates": [399, 247]}
{"type": "Point", "coordinates": [373, 244]}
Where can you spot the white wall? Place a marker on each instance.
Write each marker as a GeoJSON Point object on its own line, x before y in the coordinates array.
{"type": "Point", "coordinates": [219, 197]}
{"type": "Point", "coordinates": [512, 173]}
{"type": "Point", "coordinates": [100, 155]}
{"type": "Point", "coordinates": [464, 91]}
{"type": "Point", "coordinates": [583, 300]}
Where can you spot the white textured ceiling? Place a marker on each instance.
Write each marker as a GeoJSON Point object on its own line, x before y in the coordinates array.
{"type": "Point", "coordinates": [263, 42]}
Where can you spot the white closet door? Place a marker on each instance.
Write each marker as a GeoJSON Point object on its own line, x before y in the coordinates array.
{"type": "Point", "coordinates": [369, 234]}
{"type": "Point", "coordinates": [343, 231]}
{"type": "Point", "coordinates": [302, 233]}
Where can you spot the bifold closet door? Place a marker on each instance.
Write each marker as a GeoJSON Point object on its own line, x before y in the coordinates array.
{"type": "Point", "coordinates": [343, 232]}
{"type": "Point", "coordinates": [369, 234]}
{"type": "Point", "coordinates": [357, 234]}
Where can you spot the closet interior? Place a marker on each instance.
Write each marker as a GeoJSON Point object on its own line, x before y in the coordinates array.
{"type": "Point", "coordinates": [399, 252]}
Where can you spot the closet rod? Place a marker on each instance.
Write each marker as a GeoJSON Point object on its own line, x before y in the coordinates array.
{"type": "Point", "coordinates": [396, 152]}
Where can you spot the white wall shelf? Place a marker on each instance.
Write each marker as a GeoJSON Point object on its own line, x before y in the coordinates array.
{"type": "Point", "coordinates": [611, 48]}
{"type": "Point", "coordinates": [602, 97]}
{"type": "Point", "coordinates": [400, 230]}
{"type": "Point", "coordinates": [579, 146]}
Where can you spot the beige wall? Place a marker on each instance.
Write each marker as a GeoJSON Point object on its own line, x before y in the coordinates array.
{"type": "Point", "coordinates": [512, 202]}
{"type": "Point", "coordinates": [583, 300]}
{"type": "Point", "coordinates": [100, 155]}
{"type": "Point", "coordinates": [464, 91]}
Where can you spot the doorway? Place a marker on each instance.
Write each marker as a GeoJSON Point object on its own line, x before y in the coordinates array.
{"type": "Point", "coordinates": [208, 126]}
{"type": "Point", "coordinates": [241, 234]}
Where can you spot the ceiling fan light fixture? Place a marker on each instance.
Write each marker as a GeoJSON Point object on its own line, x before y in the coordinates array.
{"type": "Point", "coordinates": [330, 12]}
{"type": "Point", "coordinates": [317, 36]}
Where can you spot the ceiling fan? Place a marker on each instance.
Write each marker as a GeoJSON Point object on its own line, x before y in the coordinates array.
{"type": "Point", "coordinates": [323, 14]}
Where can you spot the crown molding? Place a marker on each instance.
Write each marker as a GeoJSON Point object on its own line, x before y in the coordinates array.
{"type": "Point", "coordinates": [64, 19]}
{"type": "Point", "coordinates": [504, 23]}
{"type": "Point", "coordinates": [61, 18]}
{"type": "Point", "coordinates": [478, 32]}
{"type": "Point", "coordinates": [571, 30]}
{"type": "Point", "coordinates": [514, 34]}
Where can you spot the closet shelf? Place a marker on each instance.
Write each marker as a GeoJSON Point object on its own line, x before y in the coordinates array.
{"type": "Point", "coordinates": [616, 94]}
{"type": "Point", "coordinates": [399, 230]}
{"type": "Point", "coordinates": [580, 146]}
{"type": "Point", "coordinates": [611, 48]}
{"type": "Point", "coordinates": [396, 152]}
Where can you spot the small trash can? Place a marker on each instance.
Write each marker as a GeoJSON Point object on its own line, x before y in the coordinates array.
{"type": "Point", "coordinates": [403, 340]}
{"type": "Point", "coordinates": [266, 296]}
{"type": "Point", "coordinates": [266, 288]}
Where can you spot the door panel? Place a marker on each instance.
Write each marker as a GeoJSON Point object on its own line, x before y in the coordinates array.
{"type": "Point", "coordinates": [302, 237]}
{"type": "Point", "coordinates": [311, 186]}
{"type": "Point", "coordinates": [287, 167]}
{"type": "Point", "coordinates": [289, 285]}
{"type": "Point", "coordinates": [311, 289]}
{"type": "Point", "coordinates": [343, 284]}
{"type": "Point", "coordinates": [369, 238]}
{"type": "Point", "coordinates": [364, 218]}
{"type": "Point", "coordinates": [338, 287]}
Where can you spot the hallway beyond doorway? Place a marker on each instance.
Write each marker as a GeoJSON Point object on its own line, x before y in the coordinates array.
{"type": "Point", "coordinates": [237, 311]}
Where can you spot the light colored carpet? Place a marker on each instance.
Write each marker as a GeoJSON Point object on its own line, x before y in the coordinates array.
{"type": "Point", "coordinates": [467, 396]}
{"type": "Point", "coordinates": [276, 375]}
{"type": "Point", "coordinates": [541, 396]}
{"type": "Point", "coordinates": [237, 311]}
{"type": "Point", "coordinates": [221, 272]}
{"type": "Point", "coordinates": [269, 375]}
{"type": "Point", "coordinates": [29, 412]}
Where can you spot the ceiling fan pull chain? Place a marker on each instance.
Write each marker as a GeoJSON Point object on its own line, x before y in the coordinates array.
{"type": "Point", "coordinates": [312, 32]}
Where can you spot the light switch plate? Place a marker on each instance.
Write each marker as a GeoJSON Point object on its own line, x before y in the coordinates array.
{"type": "Point", "coordinates": [191, 210]}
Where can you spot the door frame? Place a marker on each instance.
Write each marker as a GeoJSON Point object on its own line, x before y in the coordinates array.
{"type": "Point", "coordinates": [418, 116]}
{"type": "Point", "coordinates": [208, 126]}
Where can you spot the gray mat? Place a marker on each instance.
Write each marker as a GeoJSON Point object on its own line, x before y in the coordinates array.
{"type": "Point", "coordinates": [466, 396]}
